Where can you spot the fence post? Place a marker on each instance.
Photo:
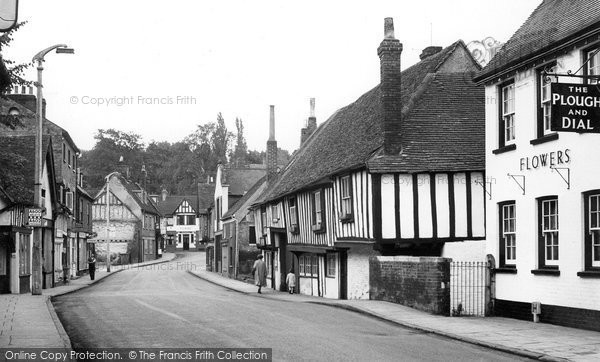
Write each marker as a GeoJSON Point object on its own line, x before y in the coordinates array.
{"type": "Point", "coordinates": [490, 285]}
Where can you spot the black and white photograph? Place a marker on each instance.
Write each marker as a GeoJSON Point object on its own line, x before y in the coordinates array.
{"type": "Point", "coordinates": [263, 180]}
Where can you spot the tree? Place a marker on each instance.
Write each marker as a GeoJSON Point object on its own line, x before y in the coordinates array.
{"type": "Point", "coordinates": [103, 158]}
{"type": "Point", "coordinates": [221, 139]}
{"type": "Point", "coordinates": [15, 70]}
{"type": "Point", "coordinates": [239, 156]}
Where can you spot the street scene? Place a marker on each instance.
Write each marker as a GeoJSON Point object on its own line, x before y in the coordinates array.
{"type": "Point", "coordinates": [319, 181]}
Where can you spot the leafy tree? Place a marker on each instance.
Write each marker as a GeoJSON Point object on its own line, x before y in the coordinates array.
{"type": "Point", "coordinates": [15, 70]}
{"type": "Point", "coordinates": [239, 157]}
{"type": "Point", "coordinates": [104, 157]}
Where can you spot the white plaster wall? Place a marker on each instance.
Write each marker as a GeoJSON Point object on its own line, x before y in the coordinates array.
{"type": "Point", "coordinates": [468, 250]}
{"type": "Point", "coordinates": [568, 289]}
{"type": "Point", "coordinates": [358, 271]}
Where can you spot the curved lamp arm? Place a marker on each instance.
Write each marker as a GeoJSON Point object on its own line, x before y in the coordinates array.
{"type": "Point", "coordinates": [39, 57]}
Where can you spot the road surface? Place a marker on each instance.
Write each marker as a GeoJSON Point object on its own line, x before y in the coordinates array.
{"type": "Point", "coordinates": [164, 306]}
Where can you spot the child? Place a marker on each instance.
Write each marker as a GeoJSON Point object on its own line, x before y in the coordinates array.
{"type": "Point", "coordinates": [290, 280]}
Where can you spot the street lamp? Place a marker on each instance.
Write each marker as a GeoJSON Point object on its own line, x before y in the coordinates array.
{"type": "Point", "coordinates": [37, 240]}
{"type": "Point", "coordinates": [108, 220]}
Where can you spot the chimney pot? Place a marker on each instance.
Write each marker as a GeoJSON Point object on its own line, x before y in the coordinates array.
{"type": "Point", "coordinates": [272, 123]}
{"type": "Point", "coordinates": [312, 107]}
{"type": "Point", "coordinates": [389, 28]}
{"type": "Point", "coordinates": [271, 147]}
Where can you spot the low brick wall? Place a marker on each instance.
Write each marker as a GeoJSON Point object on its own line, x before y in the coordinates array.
{"type": "Point", "coordinates": [419, 282]}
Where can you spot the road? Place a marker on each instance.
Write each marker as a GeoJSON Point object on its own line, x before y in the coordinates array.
{"type": "Point", "coordinates": [164, 306]}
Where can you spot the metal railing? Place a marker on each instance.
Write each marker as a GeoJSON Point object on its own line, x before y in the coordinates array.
{"type": "Point", "coordinates": [469, 288]}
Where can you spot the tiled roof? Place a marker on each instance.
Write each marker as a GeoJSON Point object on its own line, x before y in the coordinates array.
{"type": "Point", "coordinates": [432, 105]}
{"type": "Point", "coordinates": [240, 180]}
{"type": "Point", "coordinates": [171, 203]}
{"type": "Point", "coordinates": [24, 148]}
{"type": "Point", "coordinates": [206, 195]}
{"type": "Point", "coordinates": [552, 22]}
{"type": "Point", "coordinates": [148, 207]}
{"type": "Point", "coordinates": [243, 201]}
{"type": "Point", "coordinates": [444, 131]}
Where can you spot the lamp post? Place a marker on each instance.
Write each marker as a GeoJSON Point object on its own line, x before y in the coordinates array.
{"type": "Point", "coordinates": [108, 221]}
{"type": "Point", "coordinates": [37, 240]}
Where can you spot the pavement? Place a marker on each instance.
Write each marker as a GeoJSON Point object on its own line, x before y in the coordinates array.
{"type": "Point", "coordinates": [29, 321]}
{"type": "Point", "coordinates": [540, 341]}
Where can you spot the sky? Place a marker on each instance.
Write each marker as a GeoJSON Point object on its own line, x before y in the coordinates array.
{"type": "Point", "coordinates": [160, 68]}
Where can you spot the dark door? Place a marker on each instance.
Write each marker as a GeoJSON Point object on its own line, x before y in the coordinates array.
{"type": "Point", "coordinates": [186, 242]}
{"type": "Point", "coordinates": [343, 275]}
{"type": "Point", "coordinates": [4, 268]}
{"type": "Point", "coordinates": [284, 267]}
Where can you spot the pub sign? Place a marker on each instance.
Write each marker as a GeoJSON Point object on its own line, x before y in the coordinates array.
{"type": "Point", "coordinates": [575, 108]}
{"type": "Point", "coordinates": [34, 216]}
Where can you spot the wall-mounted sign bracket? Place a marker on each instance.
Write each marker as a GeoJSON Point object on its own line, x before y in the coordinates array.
{"type": "Point", "coordinates": [559, 171]}
{"type": "Point", "coordinates": [570, 73]}
{"type": "Point", "coordinates": [520, 184]}
{"type": "Point", "coordinates": [486, 188]}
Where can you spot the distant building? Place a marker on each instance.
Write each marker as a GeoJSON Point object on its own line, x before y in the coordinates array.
{"type": "Point", "coordinates": [133, 222]}
{"type": "Point", "coordinates": [181, 222]}
{"type": "Point", "coordinates": [543, 216]}
{"type": "Point", "coordinates": [231, 184]}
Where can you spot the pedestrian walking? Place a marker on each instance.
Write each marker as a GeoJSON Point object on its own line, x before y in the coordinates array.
{"type": "Point", "coordinates": [290, 280]}
{"type": "Point", "coordinates": [259, 269]}
{"type": "Point", "coordinates": [92, 266]}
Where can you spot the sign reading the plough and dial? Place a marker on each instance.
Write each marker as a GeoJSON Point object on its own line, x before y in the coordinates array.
{"type": "Point", "coordinates": [575, 108]}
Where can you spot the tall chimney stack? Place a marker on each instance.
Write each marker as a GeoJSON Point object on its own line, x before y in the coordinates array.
{"type": "Point", "coordinates": [389, 52]}
{"type": "Point", "coordinates": [311, 123]}
{"type": "Point", "coordinates": [271, 148]}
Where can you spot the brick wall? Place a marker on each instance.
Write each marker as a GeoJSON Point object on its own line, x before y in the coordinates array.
{"type": "Point", "coordinates": [418, 282]}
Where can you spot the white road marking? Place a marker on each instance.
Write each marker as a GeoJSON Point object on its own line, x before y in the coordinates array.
{"type": "Point", "coordinates": [160, 310]}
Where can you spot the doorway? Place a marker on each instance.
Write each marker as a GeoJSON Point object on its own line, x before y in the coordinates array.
{"type": "Point", "coordinates": [186, 242]}
{"type": "Point", "coordinates": [4, 268]}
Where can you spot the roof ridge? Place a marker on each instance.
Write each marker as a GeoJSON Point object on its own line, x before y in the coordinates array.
{"type": "Point", "coordinates": [446, 56]}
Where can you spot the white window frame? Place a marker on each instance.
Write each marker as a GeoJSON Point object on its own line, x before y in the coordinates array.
{"type": "Point", "coordinates": [508, 113]}
{"type": "Point", "coordinates": [331, 265]}
{"type": "Point", "coordinates": [550, 232]}
{"type": "Point", "coordinates": [593, 66]}
{"type": "Point", "coordinates": [318, 207]}
{"type": "Point", "coordinates": [301, 265]}
{"type": "Point", "coordinates": [546, 101]}
{"type": "Point", "coordinates": [293, 212]}
{"type": "Point", "coordinates": [346, 196]}
{"type": "Point", "coordinates": [594, 227]}
{"type": "Point", "coordinates": [69, 200]}
{"type": "Point", "coordinates": [509, 233]}
{"type": "Point", "coordinates": [275, 213]}
{"type": "Point", "coordinates": [263, 221]}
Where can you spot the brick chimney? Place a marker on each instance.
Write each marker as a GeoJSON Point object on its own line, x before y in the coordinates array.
{"type": "Point", "coordinates": [25, 97]}
{"type": "Point", "coordinates": [429, 51]}
{"type": "Point", "coordinates": [271, 148]}
{"type": "Point", "coordinates": [163, 194]}
{"type": "Point", "coordinates": [311, 123]}
{"type": "Point", "coordinates": [391, 91]}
